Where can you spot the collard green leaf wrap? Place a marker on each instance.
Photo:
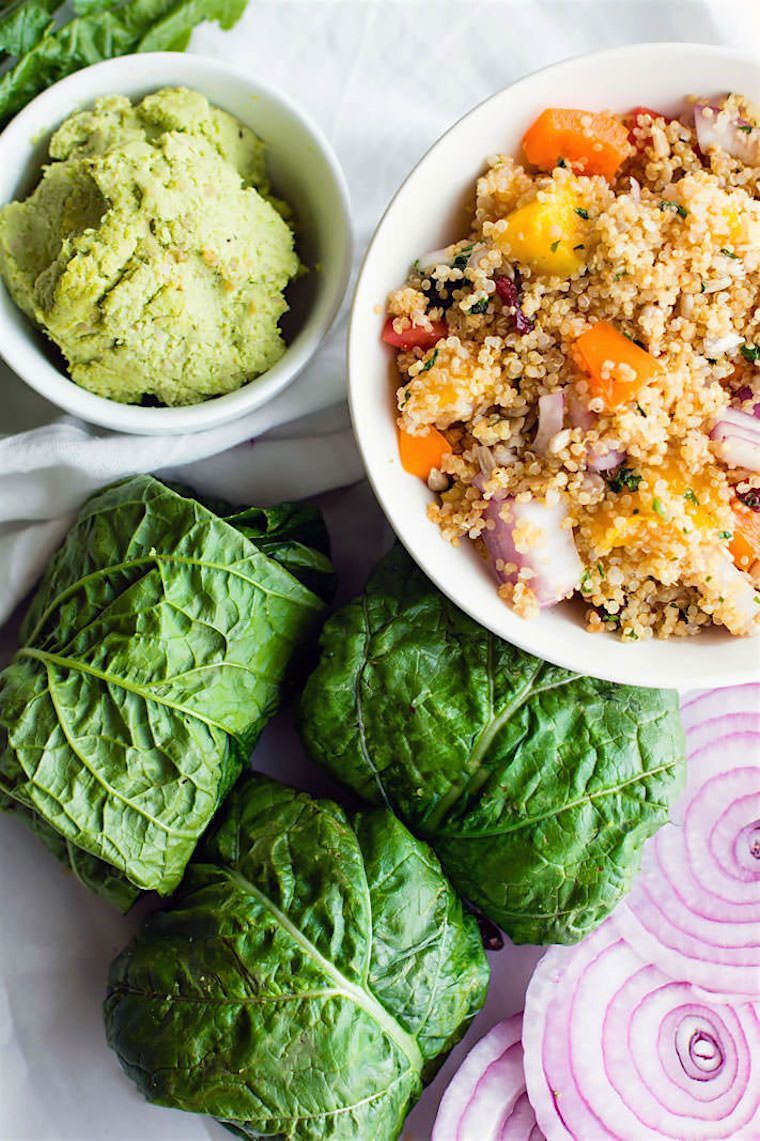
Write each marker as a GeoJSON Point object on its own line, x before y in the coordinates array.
{"type": "Point", "coordinates": [307, 976]}
{"type": "Point", "coordinates": [535, 786]}
{"type": "Point", "coordinates": [152, 656]}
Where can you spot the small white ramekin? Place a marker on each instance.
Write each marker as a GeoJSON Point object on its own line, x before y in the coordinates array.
{"type": "Point", "coordinates": [304, 171]}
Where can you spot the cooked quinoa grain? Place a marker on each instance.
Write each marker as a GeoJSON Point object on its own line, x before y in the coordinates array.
{"type": "Point", "coordinates": [591, 353]}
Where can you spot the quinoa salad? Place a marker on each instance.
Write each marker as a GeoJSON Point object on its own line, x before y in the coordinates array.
{"type": "Point", "coordinates": [580, 374]}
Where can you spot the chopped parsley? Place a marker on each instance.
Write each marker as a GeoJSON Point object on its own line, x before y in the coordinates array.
{"type": "Point", "coordinates": [561, 161]}
{"type": "Point", "coordinates": [624, 479]}
{"type": "Point", "coordinates": [479, 306]}
{"type": "Point", "coordinates": [729, 253]}
{"type": "Point", "coordinates": [621, 273]}
{"type": "Point", "coordinates": [579, 247]}
{"type": "Point", "coordinates": [554, 246]}
{"type": "Point", "coordinates": [586, 587]}
{"type": "Point", "coordinates": [657, 506]}
{"type": "Point", "coordinates": [746, 127]}
{"type": "Point", "coordinates": [701, 287]}
{"type": "Point", "coordinates": [751, 353]}
{"type": "Point", "coordinates": [674, 207]}
{"type": "Point", "coordinates": [690, 497]}
{"type": "Point", "coordinates": [725, 534]}
{"type": "Point", "coordinates": [430, 362]}
{"type": "Point", "coordinates": [600, 568]}
{"type": "Point", "coordinates": [639, 409]}
{"type": "Point", "coordinates": [582, 212]}
{"type": "Point", "coordinates": [609, 619]}
{"type": "Point", "coordinates": [460, 261]}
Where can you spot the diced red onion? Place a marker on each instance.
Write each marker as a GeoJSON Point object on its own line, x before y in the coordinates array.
{"type": "Point", "coordinates": [605, 461]}
{"type": "Point", "coordinates": [486, 1098]}
{"type": "Point", "coordinates": [509, 292]}
{"type": "Point", "coordinates": [735, 451]}
{"type": "Point", "coordinates": [635, 188]}
{"type": "Point", "coordinates": [716, 129]}
{"type": "Point", "coordinates": [736, 436]}
{"type": "Point", "coordinates": [554, 562]}
{"type": "Point", "coordinates": [615, 1050]}
{"type": "Point", "coordinates": [579, 415]}
{"type": "Point", "coordinates": [694, 909]}
{"type": "Point", "coordinates": [551, 413]}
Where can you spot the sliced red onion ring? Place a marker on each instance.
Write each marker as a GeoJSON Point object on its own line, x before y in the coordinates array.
{"type": "Point", "coordinates": [615, 1050]}
{"type": "Point", "coordinates": [716, 128]}
{"type": "Point", "coordinates": [694, 909]}
{"type": "Point", "coordinates": [553, 560]}
{"type": "Point", "coordinates": [486, 1098]}
{"type": "Point", "coordinates": [551, 413]}
{"type": "Point", "coordinates": [710, 704]}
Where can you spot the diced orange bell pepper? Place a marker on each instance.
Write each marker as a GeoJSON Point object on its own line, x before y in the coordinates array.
{"type": "Point", "coordinates": [591, 141]}
{"type": "Point", "coordinates": [745, 544]}
{"type": "Point", "coordinates": [617, 367]}
{"type": "Point", "coordinates": [420, 454]}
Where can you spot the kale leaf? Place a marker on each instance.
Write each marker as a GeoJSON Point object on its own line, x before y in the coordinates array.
{"type": "Point", "coordinates": [98, 34]}
{"type": "Point", "coordinates": [307, 977]}
{"type": "Point", "coordinates": [23, 23]}
{"type": "Point", "coordinates": [153, 653]}
{"type": "Point", "coordinates": [536, 787]}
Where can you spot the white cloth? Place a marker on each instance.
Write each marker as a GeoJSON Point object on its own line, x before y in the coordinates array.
{"type": "Point", "coordinates": [383, 79]}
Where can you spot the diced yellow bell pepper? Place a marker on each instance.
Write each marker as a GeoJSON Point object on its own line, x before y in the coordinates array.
{"type": "Point", "coordinates": [546, 235]}
{"type": "Point", "coordinates": [649, 528]}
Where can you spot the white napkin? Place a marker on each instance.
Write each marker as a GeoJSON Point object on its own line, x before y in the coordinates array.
{"type": "Point", "coordinates": [47, 471]}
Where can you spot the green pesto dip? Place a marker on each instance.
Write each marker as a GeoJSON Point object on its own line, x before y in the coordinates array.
{"type": "Point", "coordinates": [151, 252]}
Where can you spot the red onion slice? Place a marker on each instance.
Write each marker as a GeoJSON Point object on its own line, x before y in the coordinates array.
{"type": "Point", "coordinates": [701, 708]}
{"type": "Point", "coordinates": [694, 909]}
{"type": "Point", "coordinates": [486, 1098]}
{"type": "Point", "coordinates": [615, 1050]}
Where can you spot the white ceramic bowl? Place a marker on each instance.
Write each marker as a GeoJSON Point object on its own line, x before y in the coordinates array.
{"type": "Point", "coordinates": [428, 212]}
{"type": "Point", "coordinates": [304, 171]}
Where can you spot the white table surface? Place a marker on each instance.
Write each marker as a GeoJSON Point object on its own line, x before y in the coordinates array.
{"type": "Point", "coordinates": [383, 79]}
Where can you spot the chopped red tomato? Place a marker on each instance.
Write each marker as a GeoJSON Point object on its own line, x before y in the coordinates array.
{"type": "Point", "coordinates": [634, 113]}
{"type": "Point", "coordinates": [415, 337]}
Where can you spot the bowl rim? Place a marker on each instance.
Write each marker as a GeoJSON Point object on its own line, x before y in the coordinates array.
{"type": "Point", "coordinates": [520, 629]}
{"type": "Point", "coordinates": [29, 363]}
